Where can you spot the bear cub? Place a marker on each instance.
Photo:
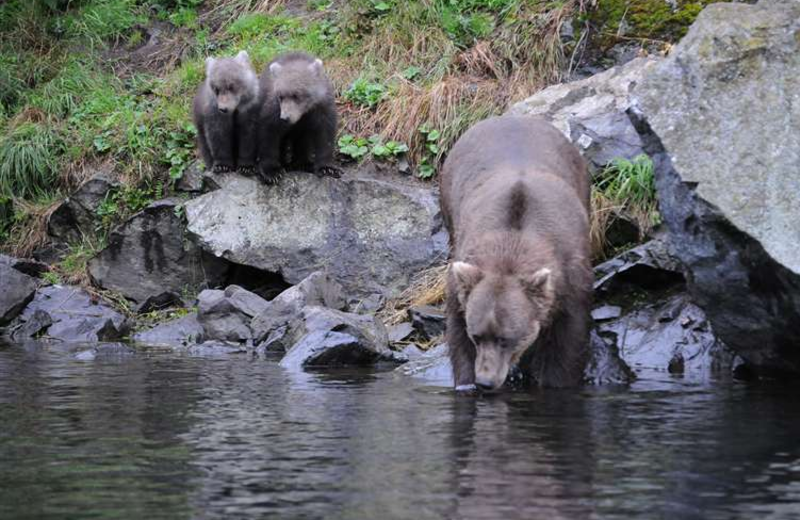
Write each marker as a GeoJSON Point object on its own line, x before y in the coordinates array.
{"type": "Point", "coordinates": [515, 199]}
{"type": "Point", "coordinates": [226, 109]}
{"type": "Point", "coordinates": [297, 123]}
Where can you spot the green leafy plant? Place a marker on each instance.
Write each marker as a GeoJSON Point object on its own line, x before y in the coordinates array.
{"type": "Point", "coordinates": [426, 168]}
{"type": "Point", "coordinates": [180, 150]}
{"type": "Point", "coordinates": [353, 147]}
{"type": "Point", "coordinates": [411, 73]}
{"type": "Point", "coordinates": [388, 150]}
{"type": "Point", "coordinates": [366, 93]}
{"type": "Point", "coordinates": [51, 278]}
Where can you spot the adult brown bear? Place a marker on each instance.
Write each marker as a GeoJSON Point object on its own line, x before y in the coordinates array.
{"type": "Point", "coordinates": [515, 198]}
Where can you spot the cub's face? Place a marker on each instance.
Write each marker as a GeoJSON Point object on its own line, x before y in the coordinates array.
{"type": "Point", "coordinates": [232, 81]}
{"type": "Point", "coordinates": [504, 316]}
{"type": "Point", "coordinates": [299, 86]}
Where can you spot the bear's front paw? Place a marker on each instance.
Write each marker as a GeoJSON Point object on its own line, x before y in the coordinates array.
{"type": "Point", "coordinates": [222, 168]}
{"type": "Point", "coordinates": [247, 170]}
{"type": "Point", "coordinates": [328, 171]}
{"type": "Point", "coordinates": [270, 176]}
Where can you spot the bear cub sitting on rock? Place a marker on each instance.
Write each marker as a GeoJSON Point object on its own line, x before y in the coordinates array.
{"type": "Point", "coordinates": [226, 110]}
{"type": "Point", "coordinates": [515, 198]}
{"type": "Point", "coordinates": [297, 122]}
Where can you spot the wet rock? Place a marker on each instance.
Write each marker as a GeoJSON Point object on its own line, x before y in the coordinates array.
{"type": "Point", "coordinates": [606, 312]}
{"type": "Point", "coordinates": [720, 117]}
{"type": "Point", "coordinates": [16, 290]}
{"type": "Point", "coordinates": [407, 354]}
{"type": "Point", "coordinates": [433, 366]}
{"type": "Point", "coordinates": [592, 112]}
{"type": "Point", "coordinates": [671, 335]}
{"type": "Point", "coordinates": [329, 349]}
{"type": "Point", "coordinates": [649, 266]}
{"type": "Point", "coordinates": [181, 331]}
{"type": "Point", "coordinates": [215, 348]}
{"type": "Point", "coordinates": [605, 366]}
{"type": "Point", "coordinates": [74, 316]}
{"type": "Point", "coordinates": [428, 321]}
{"type": "Point", "coordinates": [400, 332]}
{"type": "Point", "coordinates": [105, 352]}
{"type": "Point", "coordinates": [371, 233]}
{"type": "Point", "coordinates": [320, 336]}
{"type": "Point", "coordinates": [151, 253]}
{"type": "Point", "coordinates": [160, 301]}
{"type": "Point", "coordinates": [318, 289]}
{"type": "Point", "coordinates": [75, 216]}
{"type": "Point", "coordinates": [226, 315]}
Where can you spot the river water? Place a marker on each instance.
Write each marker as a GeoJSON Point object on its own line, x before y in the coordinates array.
{"type": "Point", "coordinates": [158, 435]}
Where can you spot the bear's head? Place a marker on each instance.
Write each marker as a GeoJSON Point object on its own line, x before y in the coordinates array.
{"type": "Point", "coordinates": [299, 86]}
{"type": "Point", "coordinates": [232, 81]}
{"type": "Point", "coordinates": [504, 314]}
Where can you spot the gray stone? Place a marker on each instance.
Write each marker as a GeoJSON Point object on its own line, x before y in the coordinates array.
{"type": "Point", "coordinates": [226, 315]}
{"type": "Point", "coordinates": [428, 321]}
{"type": "Point", "coordinates": [605, 366]}
{"type": "Point", "coordinates": [669, 335]}
{"type": "Point", "coordinates": [75, 217]}
{"type": "Point", "coordinates": [648, 266]}
{"type": "Point", "coordinates": [74, 315]}
{"type": "Point", "coordinates": [721, 118]}
{"type": "Point", "coordinates": [317, 289]}
{"type": "Point", "coordinates": [433, 366]}
{"type": "Point", "coordinates": [17, 290]}
{"type": "Point", "coordinates": [181, 331]}
{"type": "Point", "coordinates": [105, 352]}
{"type": "Point", "coordinates": [159, 301]}
{"type": "Point", "coordinates": [372, 234]}
{"type": "Point", "coordinates": [592, 112]}
{"type": "Point", "coordinates": [327, 348]}
{"type": "Point", "coordinates": [606, 312]}
{"type": "Point", "coordinates": [368, 330]}
{"type": "Point", "coordinates": [151, 253]}
{"type": "Point", "coordinates": [400, 332]}
{"type": "Point", "coordinates": [196, 180]}
{"type": "Point", "coordinates": [27, 266]}
{"type": "Point", "coordinates": [215, 348]}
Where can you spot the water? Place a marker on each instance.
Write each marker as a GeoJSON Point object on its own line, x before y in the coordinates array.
{"type": "Point", "coordinates": [157, 435]}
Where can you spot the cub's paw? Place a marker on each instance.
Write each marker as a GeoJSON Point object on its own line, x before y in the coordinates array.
{"type": "Point", "coordinates": [271, 177]}
{"type": "Point", "coordinates": [328, 171]}
{"type": "Point", "coordinates": [247, 170]}
{"type": "Point", "coordinates": [222, 168]}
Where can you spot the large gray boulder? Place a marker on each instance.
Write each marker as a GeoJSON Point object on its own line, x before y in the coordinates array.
{"type": "Point", "coordinates": [76, 215]}
{"type": "Point", "coordinates": [226, 315]}
{"type": "Point", "coordinates": [371, 233]}
{"type": "Point", "coordinates": [592, 112]}
{"type": "Point", "coordinates": [721, 116]}
{"type": "Point", "coordinates": [16, 290]}
{"type": "Point", "coordinates": [68, 314]}
{"type": "Point", "coordinates": [151, 254]}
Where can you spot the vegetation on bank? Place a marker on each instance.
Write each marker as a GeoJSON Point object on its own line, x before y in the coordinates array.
{"type": "Point", "coordinates": [90, 82]}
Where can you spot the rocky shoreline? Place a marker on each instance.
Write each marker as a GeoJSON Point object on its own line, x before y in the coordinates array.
{"type": "Point", "coordinates": [300, 271]}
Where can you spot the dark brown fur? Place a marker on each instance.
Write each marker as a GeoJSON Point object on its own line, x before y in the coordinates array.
{"type": "Point", "coordinates": [298, 118]}
{"type": "Point", "coordinates": [515, 198]}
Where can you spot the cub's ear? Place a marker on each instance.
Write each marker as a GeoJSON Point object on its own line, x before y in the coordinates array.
{"type": "Point", "coordinates": [466, 277]}
{"type": "Point", "coordinates": [243, 58]}
{"type": "Point", "coordinates": [275, 68]}
{"type": "Point", "coordinates": [539, 284]}
{"type": "Point", "coordinates": [209, 65]}
{"type": "Point", "coordinates": [316, 66]}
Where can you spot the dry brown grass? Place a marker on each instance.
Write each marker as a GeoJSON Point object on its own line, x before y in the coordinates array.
{"type": "Point", "coordinates": [427, 288]}
{"type": "Point", "coordinates": [29, 232]}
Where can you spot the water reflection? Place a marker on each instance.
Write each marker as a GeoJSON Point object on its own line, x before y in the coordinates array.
{"type": "Point", "coordinates": [165, 436]}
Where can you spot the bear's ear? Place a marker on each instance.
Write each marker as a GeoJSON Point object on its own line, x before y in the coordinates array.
{"type": "Point", "coordinates": [466, 277]}
{"type": "Point", "coordinates": [209, 65]}
{"type": "Point", "coordinates": [316, 66]}
{"type": "Point", "coordinates": [275, 68]}
{"type": "Point", "coordinates": [243, 58]}
{"type": "Point", "coordinates": [539, 284]}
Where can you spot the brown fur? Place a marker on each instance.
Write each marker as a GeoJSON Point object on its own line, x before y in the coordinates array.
{"type": "Point", "coordinates": [225, 113]}
{"type": "Point", "coordinates": [298, 118]}
{"type": "Point", "coordinates": [515, 199]}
